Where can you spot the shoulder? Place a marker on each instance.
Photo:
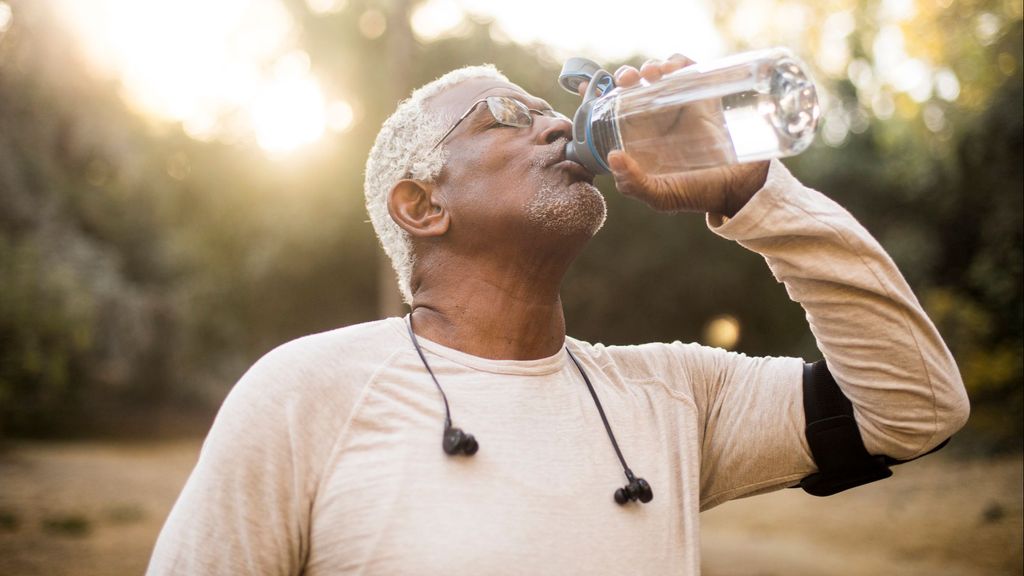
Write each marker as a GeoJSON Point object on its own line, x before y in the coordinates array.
{"type": "Point", "coordinates": [342, 347]}
{"type": "Point", "coordinates": [652, 357]}
{"type": "Point", "coordinates": [330, 366]}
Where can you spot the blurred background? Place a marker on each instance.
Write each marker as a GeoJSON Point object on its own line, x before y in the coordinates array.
{"type": "Point", "coordinates": [181, 191]}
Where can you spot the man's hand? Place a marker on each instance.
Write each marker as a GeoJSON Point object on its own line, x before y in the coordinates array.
{"type": "Point", "coordinates": [721, 190]}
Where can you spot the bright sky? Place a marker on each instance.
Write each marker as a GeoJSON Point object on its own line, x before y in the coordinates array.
{"type": "Point", "coordinates": [653, 28]}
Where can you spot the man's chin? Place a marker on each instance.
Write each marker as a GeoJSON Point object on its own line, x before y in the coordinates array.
{"type": "Point", "coordinates": [600, 208]}
{"type": "Point", "coordinates": [576, 209]}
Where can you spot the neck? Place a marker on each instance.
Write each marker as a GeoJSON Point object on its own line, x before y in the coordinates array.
{"type": "Point", "coordinates": [503, 315]}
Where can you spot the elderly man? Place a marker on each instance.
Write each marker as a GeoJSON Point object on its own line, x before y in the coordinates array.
{"type": "Point", "coordinates": [474, 437]}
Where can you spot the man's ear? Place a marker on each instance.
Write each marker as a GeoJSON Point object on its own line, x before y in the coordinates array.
{"type": "Point", "coordinates": [414, 206]}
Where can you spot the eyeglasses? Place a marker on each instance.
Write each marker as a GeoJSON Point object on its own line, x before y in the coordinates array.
{"type": "Point", "coordinates": [507, 111]}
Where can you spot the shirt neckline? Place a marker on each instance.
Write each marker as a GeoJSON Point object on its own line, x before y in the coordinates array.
{"type": "Point", "coordinates": [538, 367]}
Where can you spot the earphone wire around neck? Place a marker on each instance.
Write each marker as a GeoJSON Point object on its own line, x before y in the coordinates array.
{"type": "Point", "coordinates": [416, 344]}
{"type": "Point", "coordinates": [456, 441]}
{"type": "Point", "coordinates": [636, 488]}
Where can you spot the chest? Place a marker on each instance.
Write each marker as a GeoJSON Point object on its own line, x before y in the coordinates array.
{"type": "Point", "coordinates": [538, 496]}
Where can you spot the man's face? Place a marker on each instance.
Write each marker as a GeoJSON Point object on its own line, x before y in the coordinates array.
{"type": "Point", "coordinates": [502, 180]}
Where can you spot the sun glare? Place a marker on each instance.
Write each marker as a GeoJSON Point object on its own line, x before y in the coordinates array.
{"type": "Point", "coordinates": [206, 64]}
{"type": "Point", "coordinates": [288, 113]}
{"type": "Point", "coordinates": [5, 17]}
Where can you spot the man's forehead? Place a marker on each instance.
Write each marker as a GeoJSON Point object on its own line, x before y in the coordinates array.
{"type": "Point", "coordinates": [456, 99]}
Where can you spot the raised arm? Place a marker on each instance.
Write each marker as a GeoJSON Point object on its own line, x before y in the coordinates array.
{"type": "Point", "coordinates": [880, 346]}
{"type": "Point", "coordinates": [882, 349]}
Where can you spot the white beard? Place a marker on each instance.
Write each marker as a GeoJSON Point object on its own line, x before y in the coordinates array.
{"type": "Point", "coordinates": [578, 208]}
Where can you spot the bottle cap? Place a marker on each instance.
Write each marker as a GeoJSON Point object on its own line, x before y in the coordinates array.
{"type": "Point", "coordinates": [581, 148]}
{"type": "Point", "coordinates": [575, 71]}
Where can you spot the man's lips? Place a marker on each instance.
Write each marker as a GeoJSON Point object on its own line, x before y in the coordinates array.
{"type": "Point", "coordinates": [575, 169]}
{"type": "Point", "coordinates": [559, 161]}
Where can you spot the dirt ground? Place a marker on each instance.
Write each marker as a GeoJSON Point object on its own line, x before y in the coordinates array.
{"type": "Point", "coordinates": [934, 517]}
{"type": "Point", "coordinates": [95, 509]}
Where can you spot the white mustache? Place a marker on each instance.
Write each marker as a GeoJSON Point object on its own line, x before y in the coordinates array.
{"type": "Point", "coordinates": [555, 152]}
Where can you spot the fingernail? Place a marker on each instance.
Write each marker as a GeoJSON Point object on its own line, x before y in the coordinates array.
{"type": "Point", "coordinates": [615, 161]}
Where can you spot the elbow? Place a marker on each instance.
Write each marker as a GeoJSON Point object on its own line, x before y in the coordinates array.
{"type": "Point", "coordinates": [922, 421]}
{"type": "Point", "coordinates": [952, 414]}
{"type": "Point", "coordinates": [950, 411]}
{"type": "Point", "coordinates": [950, 407]}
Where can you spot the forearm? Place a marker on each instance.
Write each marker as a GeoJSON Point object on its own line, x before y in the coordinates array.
{"type": "Point", "coordinates": [878, 343]}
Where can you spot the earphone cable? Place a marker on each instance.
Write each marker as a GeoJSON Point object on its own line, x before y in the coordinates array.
{"type": "Point", "coordinates": [604, 419]}
{"type": "Point", "coordinates": [447, 411]}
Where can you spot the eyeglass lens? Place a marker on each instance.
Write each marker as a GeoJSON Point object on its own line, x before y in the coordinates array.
{"type": "Point", "coordinates": [509, 112]}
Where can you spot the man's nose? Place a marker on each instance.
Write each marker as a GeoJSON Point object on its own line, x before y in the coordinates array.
{"type": "Point", "coordinates": [553, 128]}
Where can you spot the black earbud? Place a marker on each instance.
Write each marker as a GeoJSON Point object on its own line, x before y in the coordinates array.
{"type": "Point", "coordinates": [637, 489]}
{"type": "Point", "coordinates": [458, 442]}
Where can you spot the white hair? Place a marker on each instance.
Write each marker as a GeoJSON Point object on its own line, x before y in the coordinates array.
{"type": "Point", "coordinates": [403, 150]}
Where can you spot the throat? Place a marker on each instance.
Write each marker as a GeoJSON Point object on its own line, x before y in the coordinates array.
{"type": "Point", "coordinates": [492, 328]}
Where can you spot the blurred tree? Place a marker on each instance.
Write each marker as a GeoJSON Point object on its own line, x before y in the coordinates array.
{"type": "Point", "coordinates": [76, 251]}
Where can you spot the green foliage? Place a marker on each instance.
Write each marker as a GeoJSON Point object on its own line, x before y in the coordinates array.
{"type": "Point", "coordinates": [46, 326]}
{"type": "Point", "coordinates": [990, 363]}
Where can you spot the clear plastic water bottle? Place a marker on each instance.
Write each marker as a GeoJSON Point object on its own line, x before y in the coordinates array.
{"type": "Point", "coordinates": [743, 108]}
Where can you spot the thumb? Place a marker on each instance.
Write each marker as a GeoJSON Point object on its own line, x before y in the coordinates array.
{"type": "Point", "coordinates": [630, 179]}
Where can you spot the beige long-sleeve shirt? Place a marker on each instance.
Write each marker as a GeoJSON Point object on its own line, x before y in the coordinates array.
{"type": "Point", "coordinates": [326, 457]}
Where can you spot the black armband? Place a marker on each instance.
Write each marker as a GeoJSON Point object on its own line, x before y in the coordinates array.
{"type": "Point", "coordinates": [834, 438]}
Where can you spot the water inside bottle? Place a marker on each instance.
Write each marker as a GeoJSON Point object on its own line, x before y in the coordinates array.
{"type": "Point", "coordinates": [699, 119]}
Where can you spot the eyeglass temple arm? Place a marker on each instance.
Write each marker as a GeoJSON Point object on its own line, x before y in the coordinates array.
{"type": "Point", "coordinates": [457, 122]}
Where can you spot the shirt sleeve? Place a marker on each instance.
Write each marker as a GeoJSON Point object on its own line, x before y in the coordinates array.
{"type": "Point", "coordinates": [879, 344]}
{"type": "Point", "coordinates": [882, 349]}
{"type": "Point", "coordinates": [245, 507]}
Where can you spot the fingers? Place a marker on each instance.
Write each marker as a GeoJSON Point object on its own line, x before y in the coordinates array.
{"type": "Point", "coordinates": [652, 70]}
{"type": "Point", "coordinates": [676, 62]}
{"type": "Point", "coordinates": [630, 180]}
{"type": "Point", "coordinates": [678, 58]}
{"type": "Point", "coordinates": [627, 76]}
{"type": "Point", "coordinates": [662, 193]}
